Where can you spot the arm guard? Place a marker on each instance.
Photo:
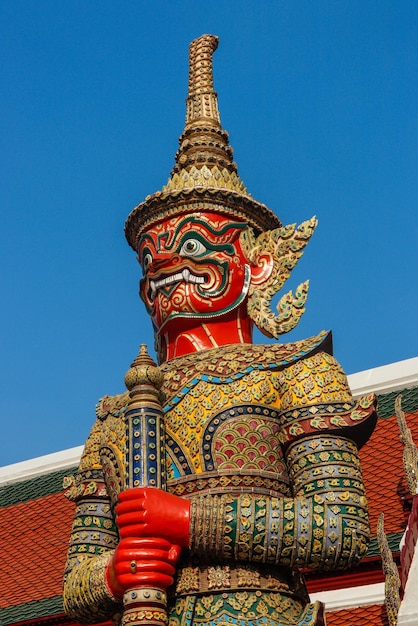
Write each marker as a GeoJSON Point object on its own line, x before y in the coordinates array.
{"type": "Point", "coordinates": [94, 536]}
{"type": "Point", "coordinates": [323, 526]}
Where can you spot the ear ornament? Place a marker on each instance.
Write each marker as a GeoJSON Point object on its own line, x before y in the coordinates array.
{"type": "Point", "coordinates": [285, 245]}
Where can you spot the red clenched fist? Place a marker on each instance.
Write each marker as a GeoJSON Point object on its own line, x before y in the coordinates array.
{"type": "Point", "coordinates": [151, 512]}
{"type": "Point", "coordinates": [141, 562]}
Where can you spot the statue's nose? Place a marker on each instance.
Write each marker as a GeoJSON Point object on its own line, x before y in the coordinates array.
{"type": "Point", "coordinates": [164, 260]}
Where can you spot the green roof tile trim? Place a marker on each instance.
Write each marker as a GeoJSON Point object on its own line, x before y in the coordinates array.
{"type": "Point", "coordinates": [34, 488]}
{"type": "Point", "coordinates": [393, 541]}
{"type": "Point", "coordinates": [31, 611]}
{"type": "Point", "coordinates": [386, 402]}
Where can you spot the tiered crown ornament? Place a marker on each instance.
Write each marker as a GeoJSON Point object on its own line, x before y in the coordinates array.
{"type": "Point", "coordinates": [205, 178]}
{"type": "Point", "coordinates": [205, 170]}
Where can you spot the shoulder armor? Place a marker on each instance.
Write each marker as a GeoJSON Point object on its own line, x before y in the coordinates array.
{"type": "Point", "coordinates": [112, 405]}
{"type": "Point", "coordinates": [234, 358]}
{"type": "Point", "coordinates": [355, 421]}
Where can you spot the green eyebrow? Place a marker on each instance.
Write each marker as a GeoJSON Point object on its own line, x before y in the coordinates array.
{"type": "Point", "coordinates": [211, 229]}
{"type": "Point", "coordinates": [227, 247]}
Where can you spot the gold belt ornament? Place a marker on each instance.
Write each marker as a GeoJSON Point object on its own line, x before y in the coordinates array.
{"type": "Point", "coordinates": [218, 578]}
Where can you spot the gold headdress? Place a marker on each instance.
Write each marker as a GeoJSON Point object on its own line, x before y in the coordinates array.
{"type": "Point", "coordinates": [205, 175]}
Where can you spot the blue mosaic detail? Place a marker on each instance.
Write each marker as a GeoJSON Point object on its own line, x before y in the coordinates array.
{"type": "Point", "coordinates": [180, 465]}
{"type": "Point", "coordinates": [145, 453]}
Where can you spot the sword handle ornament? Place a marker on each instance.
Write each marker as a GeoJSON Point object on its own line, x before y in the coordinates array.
{"type": "Point", "coordinates": [145, 466]}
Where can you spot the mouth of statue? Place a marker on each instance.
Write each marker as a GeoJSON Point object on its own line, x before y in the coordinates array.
{"type": "Point", "coordinates": [167, 284]}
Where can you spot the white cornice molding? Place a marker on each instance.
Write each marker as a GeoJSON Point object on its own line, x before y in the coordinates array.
{"type": "Point", "coordinates": [386, 378]}
{"type": "Point", "coordinates": [39, 466]}
{"type": "Point", "coordinates": [351, 597]}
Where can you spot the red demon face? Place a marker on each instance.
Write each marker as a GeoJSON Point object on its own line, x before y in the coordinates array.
{"type": "Point", "coordinates": [193, 268]}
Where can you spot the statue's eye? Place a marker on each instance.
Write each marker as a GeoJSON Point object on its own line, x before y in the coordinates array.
{"type": "Point", "coordinates": [146, 262]}
{"type": "Point", "coordinates": [192, 247]}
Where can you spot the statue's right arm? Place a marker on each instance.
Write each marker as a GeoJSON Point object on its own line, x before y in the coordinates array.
{"type": "Point", "coordinates": [94, 536]}
{"type": "Point", "coordinates": [323, 526]}
{"type": "Point", "coordinates": [323, 522]}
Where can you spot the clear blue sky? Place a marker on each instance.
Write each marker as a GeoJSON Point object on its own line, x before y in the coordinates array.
{"type": "Point", "coordinates": [320, 100]}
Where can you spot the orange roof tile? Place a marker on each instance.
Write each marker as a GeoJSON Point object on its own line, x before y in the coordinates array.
{"type": "Point", "coordinates": [33, 545]}
{"type": "Point", "coordinates": [384, 477]}
{"type": "Point", "coordinates": [372, 615]}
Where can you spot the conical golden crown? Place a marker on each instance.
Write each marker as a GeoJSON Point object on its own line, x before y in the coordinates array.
{"type": "Point", "coordinates": [204, 158]}
{"type": "Point", "coordinates": [205, 175]}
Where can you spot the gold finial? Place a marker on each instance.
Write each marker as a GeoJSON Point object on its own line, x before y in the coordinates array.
{"type": "Point", "coordinates": [392, 580]}
{"type": "Point", "coordinates": [204, 145]}
{"type": "Point", "coordinates": [410, 452]}
{"type": "Point", "coordinates": [143, 371]}
{"type": "Point", "coordinates": [202, 100]}
{"type": "Point", "coordinates": [143, 357]}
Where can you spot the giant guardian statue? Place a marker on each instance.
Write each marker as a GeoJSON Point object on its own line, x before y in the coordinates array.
{"type": "Point", "coordinates": [207, 488]}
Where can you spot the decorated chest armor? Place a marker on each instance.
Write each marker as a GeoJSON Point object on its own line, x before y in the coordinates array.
{"type": "Point", "coordinates": [262, 440]}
